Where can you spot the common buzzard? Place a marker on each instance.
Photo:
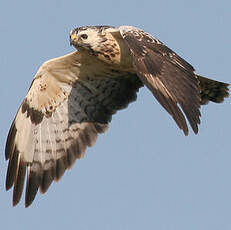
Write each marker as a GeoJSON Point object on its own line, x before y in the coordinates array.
{"type": "Point", "coordinates": [72, 98]}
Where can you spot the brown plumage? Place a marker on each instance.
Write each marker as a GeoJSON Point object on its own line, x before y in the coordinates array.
{"type": "Point", "coordinates": [72, 99]}
{"type": "Point", "coordinates": [211, 90]}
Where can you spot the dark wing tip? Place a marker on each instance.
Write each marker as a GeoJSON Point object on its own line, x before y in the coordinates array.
{"type": "Point", "coordinates": [61, 166]}
{"type": "Point", "coordinates": [10, 145]}
{"type": "Point", "coordinates": [19, 183]}
{"type": "Point", "coordinates": [33, 182]}
{"type": "Point", "coordinates": [11, 171]}
{"type": "Point", "coordinates": [47, 179]}
{"type": "Point", "coordinates": [185, 131]}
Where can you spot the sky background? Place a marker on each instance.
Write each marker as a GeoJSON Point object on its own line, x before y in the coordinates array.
{"type": "Point", "coordinates": [143, 173]}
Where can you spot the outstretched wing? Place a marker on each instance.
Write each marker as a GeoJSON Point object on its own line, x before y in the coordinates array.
{"type": "Point", "coordinates": [68, 104]}
{"type": "Point", "coordinates": [170, 78]}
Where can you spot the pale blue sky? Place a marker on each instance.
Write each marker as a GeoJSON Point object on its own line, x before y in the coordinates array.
{"type": "Point", "coordinates": [143, 173]}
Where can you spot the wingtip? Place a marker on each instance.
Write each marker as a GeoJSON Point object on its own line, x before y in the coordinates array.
{"type": "Point", "coordinates": [27, 204]}
{"type": "Point", "coordinates": [10, 145]}
{"type": "Point", "coordinates": [185, 133]}
{"type": "Point", "coordinates": [34, 179]}
{"type": "Point", "coordinates": [15, 202]}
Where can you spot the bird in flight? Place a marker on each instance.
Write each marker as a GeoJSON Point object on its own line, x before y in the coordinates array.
{"type": "Point", "coordinates": [72, 98]}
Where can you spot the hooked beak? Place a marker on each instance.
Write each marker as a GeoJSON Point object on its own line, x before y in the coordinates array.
{"type": "Point", "coordinates": [73, 38]}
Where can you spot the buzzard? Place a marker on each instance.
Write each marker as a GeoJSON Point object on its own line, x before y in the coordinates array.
{"type": "Point", "coordinates": [72, 98]}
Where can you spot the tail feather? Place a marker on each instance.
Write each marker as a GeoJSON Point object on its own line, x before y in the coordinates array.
{"type": "Point", "coordinates": [212, 90]}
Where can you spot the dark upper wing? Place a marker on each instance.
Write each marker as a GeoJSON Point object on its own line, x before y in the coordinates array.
{"type": "Point", "coordinates": [61, 115]}
{"type": "Point", "coordinates": [170, 78]}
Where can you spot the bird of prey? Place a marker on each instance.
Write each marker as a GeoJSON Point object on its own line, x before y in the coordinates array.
{"type": "Point", "coordinates": [72, 98]}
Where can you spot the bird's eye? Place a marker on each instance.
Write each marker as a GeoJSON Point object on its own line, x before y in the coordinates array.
{"type": "Point", "coordinates": [84, 36]}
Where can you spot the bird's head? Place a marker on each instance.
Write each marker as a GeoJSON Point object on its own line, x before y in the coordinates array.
{"type": "Point", "coordinates": [103, 42]}
{"type": "Point", "coordinates": [89, 38]}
